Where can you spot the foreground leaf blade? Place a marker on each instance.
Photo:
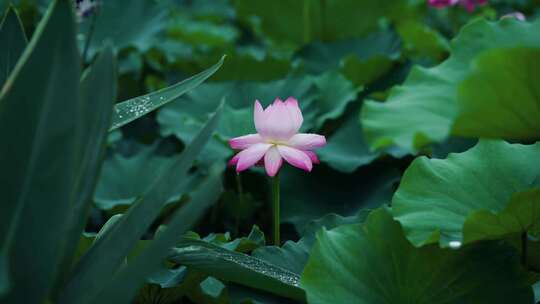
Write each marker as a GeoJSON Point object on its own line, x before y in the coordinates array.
{"type": "Point", "coordinates": [39, 161]}
{"type": "Point", "coordinates": [115, 245]}
{"type": "Point", "coordinates": [125, 284]}
{"type": "Point", "coordinates": [129, 110]}
{"type": "Point", "coordinates": [98, 92]}
{"type": "Point", "coordinates": [11, 35]}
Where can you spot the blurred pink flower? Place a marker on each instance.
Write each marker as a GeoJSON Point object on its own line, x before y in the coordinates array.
{"type": "Point", "coordinates": [470, 5]}
{"type": "Point", "coordinates": [277, 138]}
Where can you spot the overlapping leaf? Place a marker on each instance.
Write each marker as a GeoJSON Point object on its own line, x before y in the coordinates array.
{"type": "Point", "coordinates": [481, 188]}
{"type": "Point", "coordinates": [424, 109]}
{"type": "Point", "coordinates": [374, 263]}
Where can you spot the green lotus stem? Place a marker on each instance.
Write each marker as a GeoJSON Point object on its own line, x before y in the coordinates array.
{"type": "Point", "coordinates": [240, 191]}
{"type": "Point", "coordinates": [275, 209]}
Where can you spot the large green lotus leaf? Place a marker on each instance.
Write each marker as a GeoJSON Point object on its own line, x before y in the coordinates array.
{"type": "Point", "coordinates": [298, 22]}
{"type": "Point", "coordinates": [373, 263]}
{"type": "Point", "coordinates": [423, 109]}
{"type": "Point", "coordinates": [13, 37]}
{"type": "Point", "coordinates": [140, 23]}
{"type": "Point", "coordinates": [308, 196]}
{"type": "Point", "coordinates": [437, 196]}
{"type": "Point", "coordinates": [39, 161]}
{"type": "Point", "coordinates": [501, 96]}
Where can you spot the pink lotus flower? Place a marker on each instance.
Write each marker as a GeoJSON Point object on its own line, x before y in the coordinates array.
{"type": "Point", "coordinates": [470, 5]}
{"type": "Point", "coordinates": [277, 138]}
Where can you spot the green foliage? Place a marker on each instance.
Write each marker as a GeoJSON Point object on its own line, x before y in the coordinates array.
{"type": "Point", "coordinates": [427, 191]}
